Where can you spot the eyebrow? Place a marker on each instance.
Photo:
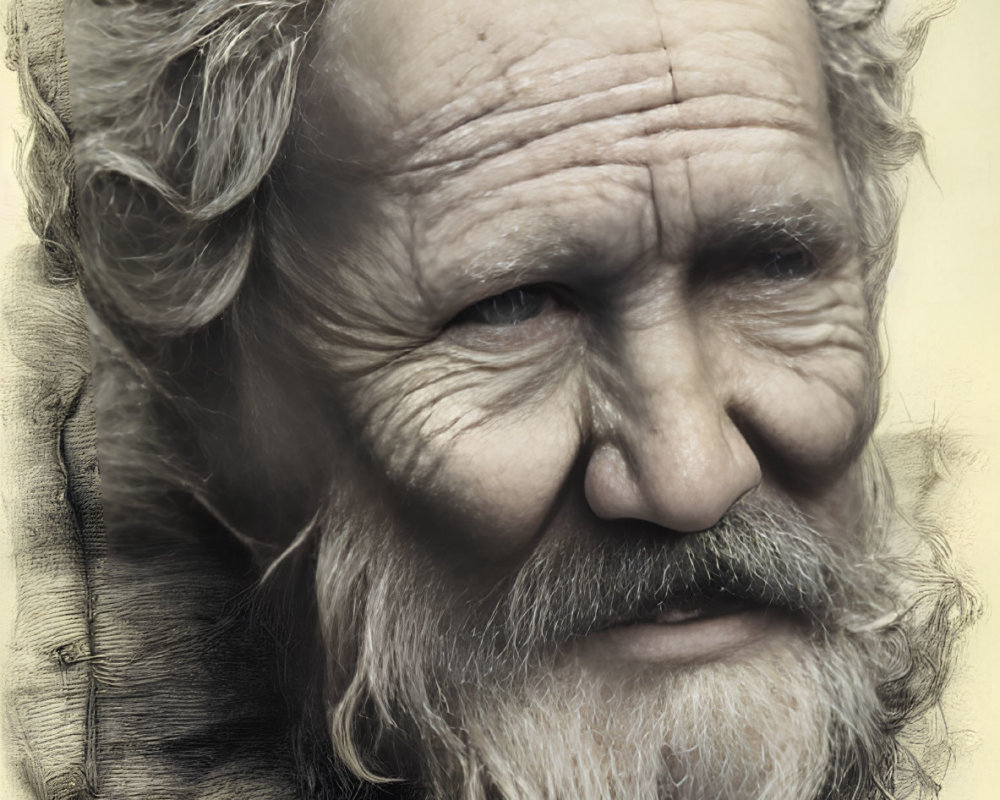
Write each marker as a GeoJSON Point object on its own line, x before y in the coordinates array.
{"type": "Point", "coordinates": [544, 254]}
{"type": "Point", "coordinates": [822, 229]}
{"type": "Point", "coordinates": [547, 253]}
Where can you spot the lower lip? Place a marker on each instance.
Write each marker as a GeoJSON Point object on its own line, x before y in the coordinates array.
{"type": "Point", "coordinates": [689, 642]}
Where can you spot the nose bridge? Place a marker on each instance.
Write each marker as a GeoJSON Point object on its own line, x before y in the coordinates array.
{"type": "Point", "coordinates": [673, 455]}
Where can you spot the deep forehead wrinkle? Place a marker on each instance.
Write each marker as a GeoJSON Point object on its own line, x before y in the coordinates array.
{"type": "Point", "coordinates": [598, 87]}
{"type": "Point", "coordinates": [648, 106]}
{"type": "Point", "coordinates": [509, 86]}
{"type": "Point", "coordinates": [518, 150]}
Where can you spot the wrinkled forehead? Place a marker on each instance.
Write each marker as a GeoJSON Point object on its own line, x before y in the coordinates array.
{"type": "Point", "coordinates": [408, 71]}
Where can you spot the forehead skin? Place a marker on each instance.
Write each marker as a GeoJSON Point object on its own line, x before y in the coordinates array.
{"type": "Point", "coordinates": [624, 127]}
{"type": "Point", "coordinates": [525, 109]}
{"type": "Point", "coordinates": [631, 131]}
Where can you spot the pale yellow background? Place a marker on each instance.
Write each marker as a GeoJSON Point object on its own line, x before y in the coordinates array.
{"type": "Point", "coordinates": [14, 231]}
{"type": "Point", "coordinates": [943, 320]}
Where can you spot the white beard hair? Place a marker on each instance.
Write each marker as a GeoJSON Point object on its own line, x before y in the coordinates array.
{"type": "Point", "coordinates": [737, 731]}
{"type": "Point", "coordinates": [803, 719]}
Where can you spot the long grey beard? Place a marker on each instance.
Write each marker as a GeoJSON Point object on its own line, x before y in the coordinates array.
{"type": "Point", "coordinates": [464, 693]}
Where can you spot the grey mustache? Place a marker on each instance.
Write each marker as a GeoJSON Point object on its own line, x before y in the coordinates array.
{"type": "Point", "coordinates": [758, 553]}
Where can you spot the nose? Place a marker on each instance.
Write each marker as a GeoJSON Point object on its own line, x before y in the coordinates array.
{"type": "Point", "coordinates": [673, 455]}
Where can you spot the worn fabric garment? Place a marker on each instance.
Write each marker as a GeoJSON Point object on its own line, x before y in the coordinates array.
{"type": "Point", "coordinates": [131, 675]}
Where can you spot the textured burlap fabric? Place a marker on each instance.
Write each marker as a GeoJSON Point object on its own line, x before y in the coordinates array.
{"type": "Point", "coordinates": [128, 677]}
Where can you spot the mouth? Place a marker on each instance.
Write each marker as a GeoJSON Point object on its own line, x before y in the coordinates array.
{"type": "Point", "coordinates": [698, 630]}
{"type": "Point", "coordinates": [684, 610]}
{"type": "Point", "coordinates": [693, 611]}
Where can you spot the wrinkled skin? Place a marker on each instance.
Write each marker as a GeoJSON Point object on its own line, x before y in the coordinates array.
{"type": "Point", "coordinates": [588, 268]}
{"type": "Point", "coordinates": [663, 177]}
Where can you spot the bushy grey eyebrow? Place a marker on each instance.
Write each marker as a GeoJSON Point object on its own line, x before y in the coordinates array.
{"type": "Point", "coordinates": [546, 255]}
{"type": "Point", "coordinates": [823, 230]}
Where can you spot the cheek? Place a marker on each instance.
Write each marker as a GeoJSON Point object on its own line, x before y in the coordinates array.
{"type": "Point", "coordinates": [807, 370]}
{"type": "Point", "coordinates": [814, 414]}
{"type": "Point", "coordinates": [506, 475]}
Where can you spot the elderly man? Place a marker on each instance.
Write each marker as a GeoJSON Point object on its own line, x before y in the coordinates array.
{"type": "Point", "coordinates": [526, 353]}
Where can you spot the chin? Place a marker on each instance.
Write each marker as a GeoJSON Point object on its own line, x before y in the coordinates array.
{"type": "Point", "coordinates": [751, 725]}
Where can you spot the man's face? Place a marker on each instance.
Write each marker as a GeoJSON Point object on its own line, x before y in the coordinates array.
{"type": "Point", "coordinates": [589, 278]}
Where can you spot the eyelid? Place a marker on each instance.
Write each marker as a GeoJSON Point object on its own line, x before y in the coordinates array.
{"type": "Point", "coordinates": [754, 256]}
{"type": "Point", "coordinates": [534, 297]}
{"type": "Point", "coordinates": [770, 263]}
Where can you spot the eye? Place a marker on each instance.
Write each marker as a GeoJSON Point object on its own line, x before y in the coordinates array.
{"type": "Point", "coordinates": [783, 263]}
{"type": "Point", "coordinates": [768, 258]}
{"type": "Point", "coordinates": [508, 308]}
